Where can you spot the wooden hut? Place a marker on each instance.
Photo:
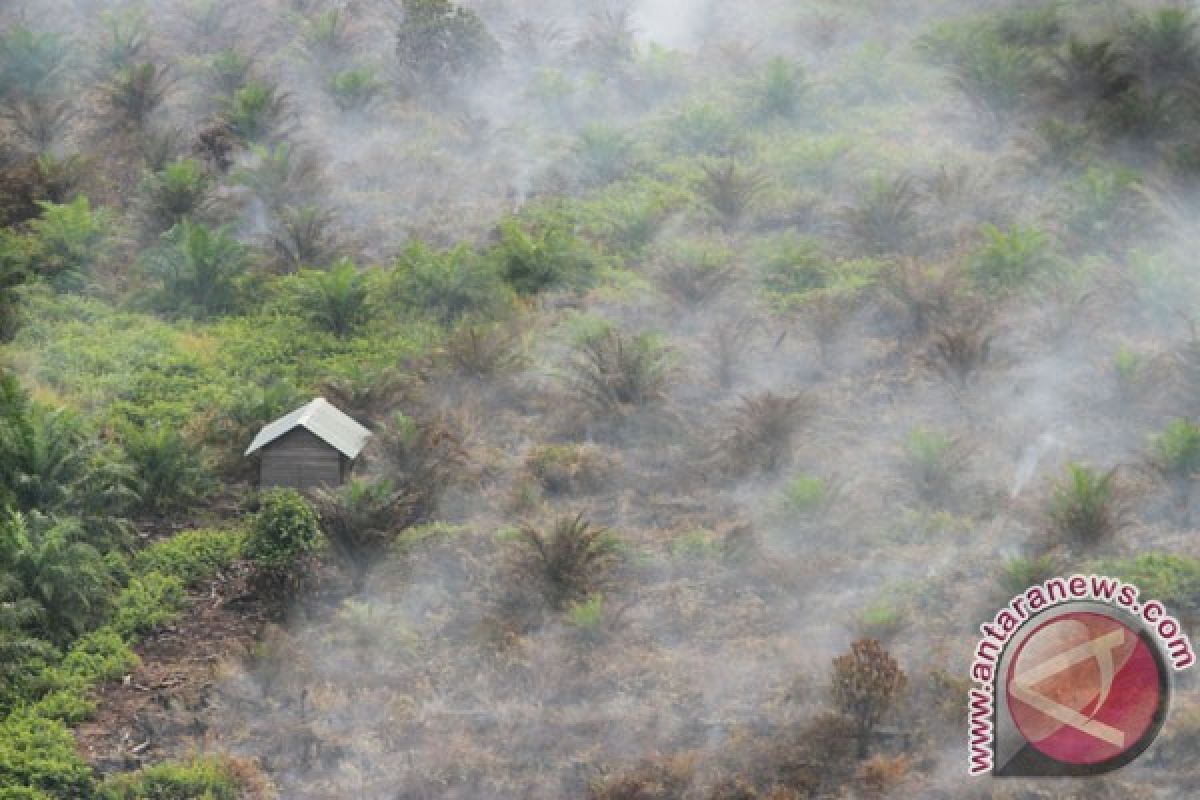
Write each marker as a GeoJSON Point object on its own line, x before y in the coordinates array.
{"type": "Point", "coordinates": [315, 445]}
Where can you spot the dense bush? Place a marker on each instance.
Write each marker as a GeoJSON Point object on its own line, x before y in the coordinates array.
{"type": "Point", "coordinates": [170, 472]}
{"type": "Point", "coordinates": [445, 284]}
{"type": "Point", "coordinates": [38, 753]}
{"type": "Point", "coordinates": [198, 270]}
{"type": "Point", "coordinates": [191, 556]}
{"type": "Point", "coordinates": [439, 43]}
{"type": "Point", "coordinates": [199, 779]}
{"type": "Point", "coordinates": [146, 603]}
{"type": "Point", "coordinates": [283, 531]}
{"type": "Point", "coordinates": [534, 259]}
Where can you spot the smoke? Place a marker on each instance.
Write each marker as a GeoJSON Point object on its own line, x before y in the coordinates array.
{"type": "Point", "coordinates": [448, 677]}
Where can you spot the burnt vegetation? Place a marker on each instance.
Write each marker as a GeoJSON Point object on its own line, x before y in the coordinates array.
{"type": "Point", "coordinates": [721, 363]}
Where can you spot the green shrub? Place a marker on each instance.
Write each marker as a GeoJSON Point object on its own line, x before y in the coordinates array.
{"type": "Point", "coordinates": [1176, 451]}
{"type": "Point", "coordinates": [256, 111]}
{"type": "Point", "coordinates": [99, 656]}
{"type": "Point", "coordinates": [147, 602]}
{"type": "Point", "coordinates": [199, 779]}
{"type": "Point", "coordinates": [612, 372]}
{"type": "Point", "coordinates": [807, 495]}
{"type": "Point", "coordinates": [780, 90]}
{"type": "Point", "coordinates": [543, 257]}
{"type": "Point", "coordinates": [1009, 258]}
{"type": "Point", "coordinates": [336, 300]}
{"type": "Point", "coordinates": [1088, 506]}
{"type": "Point", "coordinates": [440, 43]}
{"type": "Point", "coordinates": [39, 754]}
{"type": "Point", "coordinates": [176, 192]}
{"type": "Point", "coordinates": [354, 89]}
{"type": "Point", "coordinates": [169, 470]}
{"type": "Point", "coordinates": [71, 706]}
{"type": "Point", "coordinates": [69, 240]}
{"type": "Point", "coordinates": [446, 284]}
{"type": "Point", "coordinates": [285, 529]}
{"type": "Point", "coordinates": [191, 556]}
{"type": "Point", "coordinates": [933, 460]}
{"type": "Point", "coordinates": [199, 270]}
{"type": "Point", "coordinates": [1019, 573]}
{"type": "Point", "coordinates": [1173, 579]}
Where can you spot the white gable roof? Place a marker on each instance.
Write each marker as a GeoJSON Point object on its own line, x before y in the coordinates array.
{"type": "Point", "coordinates": [324, 421]}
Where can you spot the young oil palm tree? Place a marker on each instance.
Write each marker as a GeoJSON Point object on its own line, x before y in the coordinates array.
{"type": "Point", "coordinates": [336, 300]}
{"type": "Point", "coordinates": [58, 569]}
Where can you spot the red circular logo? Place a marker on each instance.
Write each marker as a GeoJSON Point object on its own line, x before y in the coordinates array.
{"type": "Point", "coordinates": [1085, 688]}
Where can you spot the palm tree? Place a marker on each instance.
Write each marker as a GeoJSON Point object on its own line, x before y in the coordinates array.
{"type": "Point", "coordinates": [13, 274]}
{"type": "Point", "coordinates": [65, 576]}
{"type": "Point", "coordinates": [361, 518]}
{"type": "Point", "coordinates": [169, 471]}
{"type": "Point", "coordinates": [198, 268]}
{"type": "Point", "coordinates": [304, 237]}
{"type": "Point", "coordinates": [336, 300]}
{"type": "Point", "coordinates": [133, 95]}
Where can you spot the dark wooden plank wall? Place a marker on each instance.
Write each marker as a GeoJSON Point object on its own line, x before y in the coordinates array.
{"type": "Point", "coordinates": [299, 459]}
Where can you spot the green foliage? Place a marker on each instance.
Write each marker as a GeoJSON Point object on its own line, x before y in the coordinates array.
{"type": "Point", "coordinates": [31, 63]}
{"type": "Point", "coordinates": [807, 495]}
{"type": "Point", "coordinates": [125, 40]}
{"type": "Point", "coordinates": [198, 779]}
{"type": "Point", "coordinates": [531, 260]}
{"type": "Point", "coordinates": [57, 569]}
{"type": "Point", "coordinates": [612, 372]}
{"type": "Point", "coordinates": [1173, 579]}
{"type": "Point", "coordinates": [336, 299]}
{"type": "Point", "coordinates": [229, 70]}
{"type": "Point", "coordinates": [361, 519]}
{"type": "Point", "coordinates": [39, 754]}
{"type": "Point", "coordinates": [781, 90]}
{"type": "Point", "coordinates": [102, 655]}
{"type": "Point", "coordinates": [1163, 44]}
{"type": "Point", "coordinates": [447, 284]}
{"type": "Point", "coordinates": [885, 218]}
{"type": "Point", "coordinates": [191, 556]}
{"type": "Point", "coordinates": [730, 192]}
{"type": "Point", "coordinates": [571, 561]}
{"type": "Point", "coordinates": [68, 241]}
{"type": "Point", "coordinates": [933, 460]}
{"type": "Point", "coordinates": [282, 175]}
{"type": "Point", "coordinates": [256, 111]}
{"type": "Point", "coordinates": [198, 270]}
{"type": "Point", "coordinates": [1105, 206]}
{"type": "Point", "coordinates": [354, 89]}
{"type": "Point", "coordinates": [14, 273]}
{"type": "Point", "coordinates": [995, 74]}
{"type": "Point", "coordinates": [1019, 573]}
{"type": "Point", "coordinates": [1087, 507]}
{"type": "Point", "coordinates": [791, 266]}
{"type": "Point", "coordinates": [1007, 259]}
{"type": "Point", "coordinates": [146, 603]}
{"type": "Point", "coordinates": [1176, 451]}
{"type": "Point", "coordinates": [132, 97]}
{"type": "Point", "coordinates": [603, 153]}
{"type": "Point", "coordinates": [589, 617]}
{"type": "Point", "coordinates": [174, 193]}
{"type": "Point", "coordinates": [171, 473]}
{"type": "Point", "coordinates": [284, 530]}
{"type": "Point", "coordinates": [327, 35]}
{"type": "Point", "coordinates": [440, 43]}
{"type": "Point", "coordinates": [704, 128]}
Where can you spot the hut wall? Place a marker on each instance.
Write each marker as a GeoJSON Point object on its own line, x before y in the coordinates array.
{"type": "Point", "coordinates": [300, 460]}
